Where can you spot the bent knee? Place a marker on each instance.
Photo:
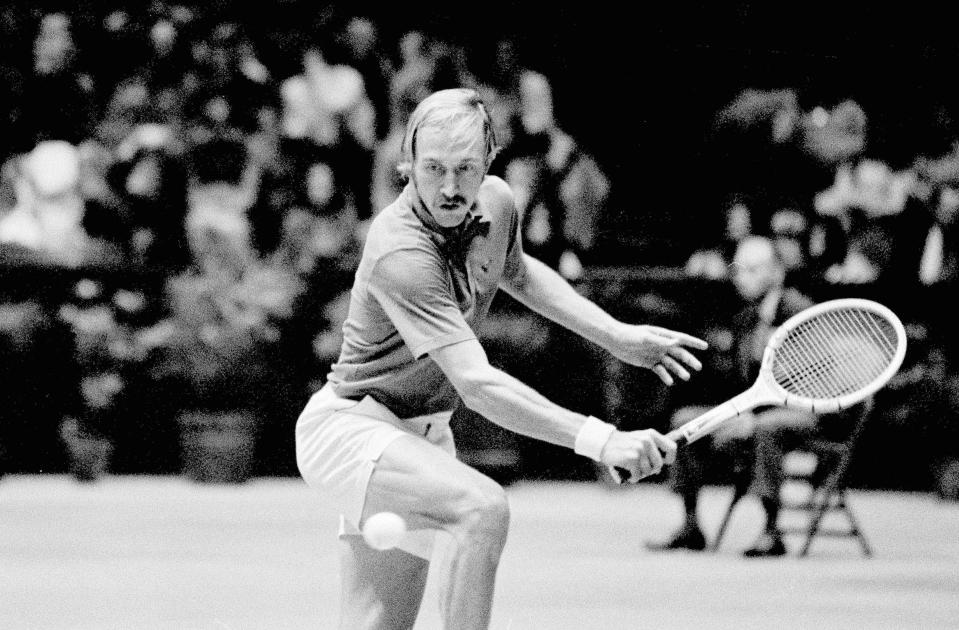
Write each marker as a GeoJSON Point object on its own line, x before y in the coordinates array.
{"type": "Point", "coordinates": [483, 511]}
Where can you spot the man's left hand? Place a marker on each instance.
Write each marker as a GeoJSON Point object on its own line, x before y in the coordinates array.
{"type": "Point", "coordinates": [659, 349]}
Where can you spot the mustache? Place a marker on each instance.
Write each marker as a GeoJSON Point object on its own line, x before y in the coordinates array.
{"type": "Point", "coordinates": [454, 199]}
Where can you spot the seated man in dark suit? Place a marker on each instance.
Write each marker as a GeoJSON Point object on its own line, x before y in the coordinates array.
{"type": "Point", "coordinates": [758, 274]}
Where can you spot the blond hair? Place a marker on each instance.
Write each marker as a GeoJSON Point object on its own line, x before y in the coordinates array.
{"type": "Point", "coordinates": [458, 110]}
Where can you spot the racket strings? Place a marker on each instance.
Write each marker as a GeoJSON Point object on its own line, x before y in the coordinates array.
{"type": "Point", "coordinates": [832, 362]}
{"type": "Point", "coordinates": [826, 360]}
{"type": "Point", "coordinates": [835, 353]}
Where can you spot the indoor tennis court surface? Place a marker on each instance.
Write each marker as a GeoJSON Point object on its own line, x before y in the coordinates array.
{"type": "Point", "coordinates": [132, 553]}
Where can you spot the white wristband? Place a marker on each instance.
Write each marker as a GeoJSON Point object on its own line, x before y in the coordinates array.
{"type": "Point", "coordinates": [592, 437]}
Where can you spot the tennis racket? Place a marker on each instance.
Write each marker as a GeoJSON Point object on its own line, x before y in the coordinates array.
{"type": "Point", "coordinates": [828, 357]}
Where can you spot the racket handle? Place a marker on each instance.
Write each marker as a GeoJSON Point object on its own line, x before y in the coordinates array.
{"type": "Point", "coordinates": [621, 475]}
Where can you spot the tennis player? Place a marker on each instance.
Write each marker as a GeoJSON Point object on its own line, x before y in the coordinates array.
{"type": "Point", "coordinates": [376, 437]}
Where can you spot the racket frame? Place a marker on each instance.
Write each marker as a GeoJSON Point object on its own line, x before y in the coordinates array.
{"type": "Point", "coordinates": [766, 391]}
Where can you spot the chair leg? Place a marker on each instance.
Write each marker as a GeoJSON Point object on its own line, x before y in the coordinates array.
{"type": "Point", "coordinates": [821, 506]}
{"type": "Point", "coordinates": [738, 493]}
{"type": "Point", "coordinates": [854, 527]}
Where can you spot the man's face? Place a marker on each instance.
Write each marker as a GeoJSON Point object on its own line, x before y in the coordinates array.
{"type": "Point", "coordinates": [448, 172]}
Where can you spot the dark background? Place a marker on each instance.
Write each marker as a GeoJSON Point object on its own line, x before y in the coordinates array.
{"type": "Point", "coordinates": [640, 85]}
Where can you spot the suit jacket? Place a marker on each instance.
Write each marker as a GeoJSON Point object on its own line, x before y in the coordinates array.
{"type": "Point", "coordinates": [752, 330]}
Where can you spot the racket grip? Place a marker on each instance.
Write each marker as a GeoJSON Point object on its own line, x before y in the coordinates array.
{"type": "Point", "coordinates": [621, 475]}
{"type": "Point", "coordinates": [679, 437]}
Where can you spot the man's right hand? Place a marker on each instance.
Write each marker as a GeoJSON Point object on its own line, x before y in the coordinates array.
{"type": "Point", "coordinates": [640, 453]}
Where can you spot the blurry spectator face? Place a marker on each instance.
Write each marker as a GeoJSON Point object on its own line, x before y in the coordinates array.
{"type": "Point", "coordinates": [448, 170]}
{"type": "Point", "coordinates": [361, 35]}
{"type": "Point", "coordinates": [313, 61]}
{"type": "Point", "coordinates": [163, 37]}
{"type": "Point", "coordinates": [116, 21]}
{"type": "Point", "coordinates": [319, 184]}
{"type": "Point", "coordinates": [738, 222]}
{"type": "Point", "coordinates": [100, 390]}
{"type": "Point", "coordinates": [200, 51]}
{"type": "Point", "coordinates": [132, 95]}
{"type": "Point", "coordinates": [411, 46]}
{"type": "Point", "coordinates": [784, 123]}
{"type": "Point", "coordinates": [53, 47]}
{"type": "Point", "coordinates": [181, 14]}
{"type": "Point", "coordinates": [755, 268]}
{"type": "Point", "coordinates": [536, 102]}
{"type": "Point", "coordinates": [217, 110]}
{"type": "Point", "coordinates": [53, 169]}
{"type": "Point", "coordinates": [788, 227]}
{"type": "Point", "coordinates": [145, 178]}
{"type": "Point", "coordinates": [522, 175]}
{"type": "Point", "coordinates": [948, 206]}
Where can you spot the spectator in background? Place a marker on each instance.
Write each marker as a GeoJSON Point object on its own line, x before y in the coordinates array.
{"type": "Point", "coordinates": [884, 221]}
{"type": "Point", "coordinates": [774, 154]}
{"type": "Point", "coordinates": [938, 186]}
{"type": "Point", "coordinates": [150, 179]}
{"type": "Point", "coordinates": [114, 46]}
{"type": "Point", "coordinates": [788, 229]}
{"type": "Point", "coordinates": [560, 189]}
{"type": "Point", "coordinates": [327, 105]}
{"type": "Point", "coordinates": [57, 99]}
{"type": "Point", "coordinates": [759, 277]}
{"type": "Point", "coordinates": [713, 262]}
{"type": "Point", "coordinates": [48, 223]}
{"type": "Point", "coordinates": [365, 52]}
{"type": "Point", "coordinates": [228, 94]}
{"type": "Point", "coordinates": [412, 80]}
{"type": "Point", "coordinates": [320, 244]}
{"type": "Point", "coordinates": [296, 177]}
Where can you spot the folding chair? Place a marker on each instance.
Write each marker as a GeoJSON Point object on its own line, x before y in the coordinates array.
{"type": "Point", "coordinates": [826, 481]}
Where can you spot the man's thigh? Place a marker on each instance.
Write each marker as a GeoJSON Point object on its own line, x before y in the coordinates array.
{"type": "Point", "coordinates": [423, 483]}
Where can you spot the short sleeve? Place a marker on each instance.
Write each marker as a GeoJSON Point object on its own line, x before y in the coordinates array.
{"type": "Point", "coordinates": [413, 290]}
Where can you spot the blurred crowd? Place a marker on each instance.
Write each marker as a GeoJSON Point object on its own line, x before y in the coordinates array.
{"type": "Point", "coordinates": [205, 209]}
{"type": "Point", "coordinates": [206, 205]}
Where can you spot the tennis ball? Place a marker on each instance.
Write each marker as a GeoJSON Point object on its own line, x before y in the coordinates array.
{"type": "Point", "coordinates": [384, 530]}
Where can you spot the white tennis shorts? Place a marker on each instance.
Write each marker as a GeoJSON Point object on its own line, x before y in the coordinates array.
{"type": "Point", "coordinates": [338, 442]}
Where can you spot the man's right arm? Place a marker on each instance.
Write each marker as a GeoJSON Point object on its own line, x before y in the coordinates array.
{"type": "Point", "coordinates": [510, 403]}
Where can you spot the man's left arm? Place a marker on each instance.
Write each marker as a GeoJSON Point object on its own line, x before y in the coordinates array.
{"type": "Point", "coordinates": [543, 290]}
